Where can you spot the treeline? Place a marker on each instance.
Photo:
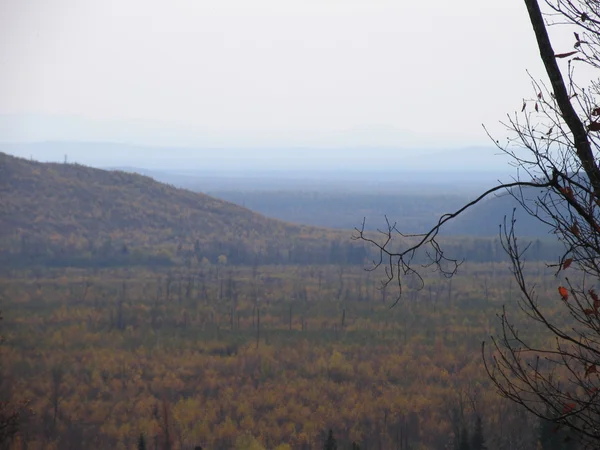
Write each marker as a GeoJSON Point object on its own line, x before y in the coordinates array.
{"type": "Point", "coordinates": [33, 250]}
{"type": "Point", "coordinates": [38, 250]}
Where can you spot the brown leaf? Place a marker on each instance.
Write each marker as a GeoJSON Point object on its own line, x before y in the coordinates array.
{"type": "Point", "coordinates": [575, 229]}
{"type": "Point", "coordinates": [565, 55]}
{"type": "Point", "coordinates": [596, 111]}
{"type": "Point", "coordinates": [594, 126]}
{"type": "Point", "coordinates": [590, 370]}
{"type": "Point", "coordinates": [563, 293]}
{"type": "Point", "coordinates": [567, 263]}
{"type": "Point", "coordinates": [590, 312]}
{"type": "Point", "coordinates": [536, 107]}
{"type": "Point", "coordinates": [566, 191]}
{"type": "Point", "coordinates": [523, 108]}
{"type": "Point", "coordinates": [569, 407]}
{"type": "Point", "coordinates": [594, 296]}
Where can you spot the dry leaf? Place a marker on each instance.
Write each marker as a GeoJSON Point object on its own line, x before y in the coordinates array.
{"type": "Point", "coordinates": [563, 293]}
{"type": "Point", "coordinates": [565, 55]}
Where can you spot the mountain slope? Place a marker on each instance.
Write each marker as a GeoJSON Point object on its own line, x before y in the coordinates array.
{"type": "Point", "coordinates": [65, 210]}
{"type": "Point", "coordinates": [485, 218]}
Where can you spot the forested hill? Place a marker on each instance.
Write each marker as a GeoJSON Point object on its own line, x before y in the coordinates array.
{"type": "Point", "coordinates": [72, 214]}
{"type": "Point", "coordinates": [485, 218]}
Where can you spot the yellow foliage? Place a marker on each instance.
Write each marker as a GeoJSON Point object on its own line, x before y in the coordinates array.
{"type": "Point", "coordinates": [247, 442]}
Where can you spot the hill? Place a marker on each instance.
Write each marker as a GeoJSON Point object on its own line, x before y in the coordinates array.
{"type": "Point", "coordinates": [413, 212]}
{"type": "Point", "coordinates": [484, 218]}
{"type": "Point", "coordinates": [73, 214]}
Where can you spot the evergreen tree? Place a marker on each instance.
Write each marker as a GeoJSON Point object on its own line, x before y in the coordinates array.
{"type": "Point", "coordinates": [553, 436]}
{"type": "Point", "coordinates": [477, 440]}
{"type": "Point", "coordinates": [142, 442]}
{"type": "Point", "coordinates": [546, 434]}
{"type": "Point", "coordinates": [464, 439]}
{"type": "Point", "coordinates": [330, 442]}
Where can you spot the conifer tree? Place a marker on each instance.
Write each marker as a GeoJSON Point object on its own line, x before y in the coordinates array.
{"type": "Point", "coordinates": [477, 440]}
{"type": "Point", "coordinates": [330, 442]}
{"type": "Point", "coordinates": [464, 439]}
{"type": "Point", "coordinates": [553, 436]}
{"type": "Point", "coordinates": [142, 442]}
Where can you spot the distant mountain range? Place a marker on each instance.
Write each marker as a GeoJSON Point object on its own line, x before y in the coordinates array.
{"type": "Point", "coordinates": [461, 163]}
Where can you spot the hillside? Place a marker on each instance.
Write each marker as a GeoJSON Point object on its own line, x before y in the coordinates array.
{"type": "Point", "coordinates": [484, 218]}
{"type": "Point", "coordinates": [67, 213]}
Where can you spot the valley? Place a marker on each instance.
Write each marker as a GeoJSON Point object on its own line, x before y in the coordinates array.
{"type": "Point", "coordinates": [137, 310]}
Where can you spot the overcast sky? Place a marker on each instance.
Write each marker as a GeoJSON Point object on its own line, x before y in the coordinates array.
{"type": "Point", "coordinates": [317, 73]}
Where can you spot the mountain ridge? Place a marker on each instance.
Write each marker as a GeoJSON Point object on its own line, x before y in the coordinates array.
{"type": "Point", "coordinates": [54, 210]}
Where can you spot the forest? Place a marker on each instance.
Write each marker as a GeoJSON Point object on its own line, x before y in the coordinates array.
{"type": "Point", "coordinates": [240, 357]}
{"type": "Point", "coordinates": [139, 315]}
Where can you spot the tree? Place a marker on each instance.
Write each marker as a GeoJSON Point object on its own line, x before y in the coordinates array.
{"type": "Point", "coordinates": [330, 442]}
{"type": "Point", "coordinates": [477, 440]}
{"type": "Point", "coordinates": [11, 412]}
{"type": "Point", "coordinates": [554, 142]}
{"type": "Point", "coordinates": [552, 437]}
{"type": "Point", "coordinates": [464, 439]}
{"type": "Point", "coordinates": [247, 442]}
{"type": "Point", "coordinates": [141, 442]}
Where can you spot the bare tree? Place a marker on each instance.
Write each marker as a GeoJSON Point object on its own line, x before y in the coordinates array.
{"type": "Point", "coordinates": [554, 144]}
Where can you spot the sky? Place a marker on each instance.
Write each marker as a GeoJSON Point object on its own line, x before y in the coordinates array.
{"type": "Point", "coordinates": [402, 74]}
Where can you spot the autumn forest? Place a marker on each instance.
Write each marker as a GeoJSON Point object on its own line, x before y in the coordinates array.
{"type": "Point", "coordinates": [138, 315]}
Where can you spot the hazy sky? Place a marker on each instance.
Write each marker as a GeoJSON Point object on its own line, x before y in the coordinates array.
{"type": "Point", "coordinates": [263, 72]}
